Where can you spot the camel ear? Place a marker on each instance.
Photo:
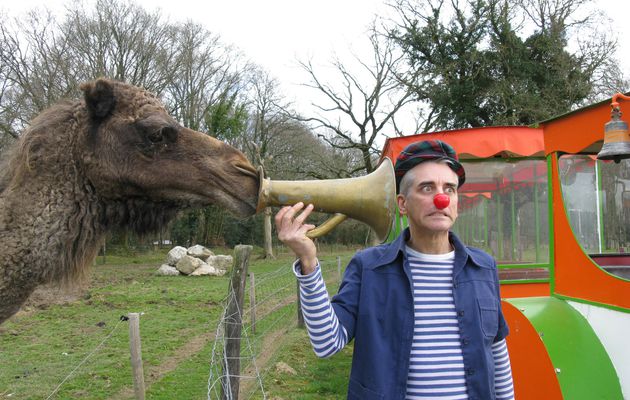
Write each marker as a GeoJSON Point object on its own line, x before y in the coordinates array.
{"type": "Point", "coordinates": [99, 98]}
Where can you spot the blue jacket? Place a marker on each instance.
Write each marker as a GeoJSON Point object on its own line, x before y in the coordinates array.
{"type": "Point", "coordinates": [375, 305]}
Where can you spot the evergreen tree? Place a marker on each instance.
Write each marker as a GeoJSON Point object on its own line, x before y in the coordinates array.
{"type": "Point", "coordinates": [475, 66]}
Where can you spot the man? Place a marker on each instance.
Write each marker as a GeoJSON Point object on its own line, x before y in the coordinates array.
{"type": "Point", "coordinates": [424, 311]}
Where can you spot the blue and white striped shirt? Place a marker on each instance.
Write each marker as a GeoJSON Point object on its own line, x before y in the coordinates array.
{"type": "Point", "coordinates": [436, 368]}
{"type": "Point", "coordinates": [436, 363]}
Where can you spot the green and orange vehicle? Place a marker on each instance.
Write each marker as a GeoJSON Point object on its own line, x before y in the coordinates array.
{"type": "Point", "coordinates": [557, 220]}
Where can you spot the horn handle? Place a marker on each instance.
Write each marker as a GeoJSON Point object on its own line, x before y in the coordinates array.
{"type": "Point", "coordinates": [266, 199]}
{"type": "Point", "coordinates": [328, 225]}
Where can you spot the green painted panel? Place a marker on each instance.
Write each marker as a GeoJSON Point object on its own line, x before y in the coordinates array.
{"type": "Point", "coordinates": [583, 367]}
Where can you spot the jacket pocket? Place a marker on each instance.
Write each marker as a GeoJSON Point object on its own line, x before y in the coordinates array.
{"type": "Point", "coordinates": [357, 391]}
{"type": "Point", "coordinates": [489, 312]}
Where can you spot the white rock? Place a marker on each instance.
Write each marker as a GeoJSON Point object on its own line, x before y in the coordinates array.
{"type": "Point", "coordinates": [166, 269]}
{"type": "Point", "coordinates": [199, 251]}
{"type": "Point", "coordinates": [220, 262]}
{"type": "Point", "coordinates": [204, 269]}
{"type": "Point", "coordinates": [188, 264]}
{"type": "Point", "coordinates": [175, 255]}
{"type": "Point", "coordinates": [285, 368]}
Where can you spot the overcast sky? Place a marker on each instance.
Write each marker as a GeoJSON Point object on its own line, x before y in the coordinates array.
{"type": "Point", "coordinates": [273, 33]}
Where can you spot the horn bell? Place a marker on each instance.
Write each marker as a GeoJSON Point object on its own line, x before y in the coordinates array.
{"type": "Point", "coordinates": [370, 199]}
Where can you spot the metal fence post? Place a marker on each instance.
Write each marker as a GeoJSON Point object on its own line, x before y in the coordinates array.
{"type": "Point", "coordinates": [252, 300]}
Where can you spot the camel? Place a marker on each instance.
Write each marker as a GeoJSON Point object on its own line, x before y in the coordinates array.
{"type": "Point", "coordinates": [113, 160]}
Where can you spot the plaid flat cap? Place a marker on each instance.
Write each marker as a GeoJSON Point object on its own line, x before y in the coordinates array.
{"type": "Point", "coordinates": [426, 150]}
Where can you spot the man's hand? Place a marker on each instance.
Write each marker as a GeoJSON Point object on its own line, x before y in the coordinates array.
{"type": "Point", "coordinates": [292, 232]}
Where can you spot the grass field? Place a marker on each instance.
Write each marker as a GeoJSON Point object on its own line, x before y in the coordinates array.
{"type": "Point", "coordinates": [79, 337]}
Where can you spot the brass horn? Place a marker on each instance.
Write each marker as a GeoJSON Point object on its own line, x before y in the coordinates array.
{"type": "Point", "coordinates": [370, 199]}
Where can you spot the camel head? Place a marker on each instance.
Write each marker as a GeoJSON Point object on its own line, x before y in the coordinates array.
{"type": "Point", "coordinates": [115, 160]}
{"type": "Point", "coordinates": [134, 149]}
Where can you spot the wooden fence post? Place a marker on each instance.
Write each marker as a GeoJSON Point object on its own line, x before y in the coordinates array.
{"type": "Point", "coordinates": [339, 268]}
{"type": "Point", "coordinates": [136, 355]}
{"type": "Point", "coordinates": [234, 323]}
{"type": "Point", "coordinates": [252, 300]}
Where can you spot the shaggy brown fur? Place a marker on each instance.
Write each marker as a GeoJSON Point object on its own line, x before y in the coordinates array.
{"type": "Point", "coordinates": [115, 160]}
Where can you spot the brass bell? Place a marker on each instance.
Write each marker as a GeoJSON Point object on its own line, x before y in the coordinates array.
{"type": "Point", "coordinates": [616, 138]}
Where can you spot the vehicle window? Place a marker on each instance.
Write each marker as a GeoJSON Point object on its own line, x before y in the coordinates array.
{"type": "Point", "coordinates": [596, 195]}
{"type": "Point", "coordinates": [503, 209]}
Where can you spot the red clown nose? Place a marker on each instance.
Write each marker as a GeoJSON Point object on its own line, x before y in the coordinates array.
{"type": "Point", "coordinates": [441, 201]}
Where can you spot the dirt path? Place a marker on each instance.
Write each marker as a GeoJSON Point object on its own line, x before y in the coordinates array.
{"type": "Point", "coordinates": [271, 343]}
{"type": "Point", "coordinates": [156, 373]}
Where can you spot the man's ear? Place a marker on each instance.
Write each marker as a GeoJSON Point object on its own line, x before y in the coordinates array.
{"type": "Point", "coordinates": [402, 204]}
{"type": "Point", "coordinates": [99, 98]}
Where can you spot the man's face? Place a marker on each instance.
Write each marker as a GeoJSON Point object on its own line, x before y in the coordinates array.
{"type": "Point", "coordinates": [428, 179]}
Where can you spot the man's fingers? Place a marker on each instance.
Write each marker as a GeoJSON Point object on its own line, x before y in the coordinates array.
{"type": "Point", "coordinates": [286, 213]}
{"type": "Point", "coordinates": [288, 216]}
{"type": "Point", "coordinates": [287, 226]}
{"type": "Point", "coordinates": [280, 215]}
{"type": "Point", "coordinates": [302, 217]}
{"type": "Point", "coordinates": [305, 228]}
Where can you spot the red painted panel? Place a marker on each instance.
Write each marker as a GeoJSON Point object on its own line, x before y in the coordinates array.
{"type": "Point", "coordinates": [578, 130]}
{"type": "Point", "coordinates": [515, 290]}
{"type": "Point", "coordinates": [533, 373]}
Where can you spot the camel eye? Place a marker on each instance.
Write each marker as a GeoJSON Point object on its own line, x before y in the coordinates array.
{"type": "Point", "coordinates": [166, 134]}
{"type": "Point", "coordinates": [169, 133]}
{"type": "Point", "coordinates": [156, 137]}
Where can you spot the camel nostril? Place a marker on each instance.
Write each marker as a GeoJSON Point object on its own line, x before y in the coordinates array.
{"type": "Point", "coordinates": [246, 169]}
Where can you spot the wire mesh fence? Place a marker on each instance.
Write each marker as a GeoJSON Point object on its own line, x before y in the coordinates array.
{"type": "Point", "coordinates": [269, 310]}
{"type": "Point", "coordinates": [82, 348]}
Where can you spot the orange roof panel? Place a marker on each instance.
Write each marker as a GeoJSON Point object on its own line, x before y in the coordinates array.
{"type": "Point", "coordinates": [507, 141]}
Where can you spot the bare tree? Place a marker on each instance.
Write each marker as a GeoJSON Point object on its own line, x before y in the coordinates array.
{"type": "Point", "coordinates": [123, 41]}
{"type": "Point", "coordinates": [367, 107]}
{"type": "Point", "coordinates": [208, 72]}
{"type": "Point", "coordinates": [44, 60]}
{"type": "Point", "coordinates": [267, 121]}
{"type": "Point", "coordinates": [301, 154]}
{"type": "Point", "coordinates": [267, 114]}
{"type": "Point", "coordinates": [34, 69]}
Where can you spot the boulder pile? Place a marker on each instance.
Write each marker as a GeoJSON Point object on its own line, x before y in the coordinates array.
{"type": "Point", "coordinates": [194, 261]}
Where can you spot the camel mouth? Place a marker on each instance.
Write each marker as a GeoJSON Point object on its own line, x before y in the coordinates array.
{"type": "Point", "coordinates": [240, 200]}
{"type": "Point", "coordinates": [239, 207]}
{"type": "Point", "coordinates": [238, 195]}
{"type": "Point", "coordinates": [247, 206]}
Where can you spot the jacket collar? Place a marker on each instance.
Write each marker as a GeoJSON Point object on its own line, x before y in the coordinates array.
{"type": "Point", "coordinates": [397, 248]}
{"type": "Point", "coordinates": [461, 248]}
